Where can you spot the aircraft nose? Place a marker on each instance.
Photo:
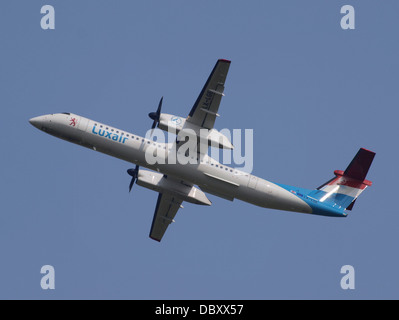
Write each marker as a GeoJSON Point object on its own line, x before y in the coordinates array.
{"type": "Point", "coordinates": [37, 121]}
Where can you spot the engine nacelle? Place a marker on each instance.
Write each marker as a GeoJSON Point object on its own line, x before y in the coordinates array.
{"type": "Point", "coordinates": [158, 182]}
{"type": "Point", "coordinates": [175, 124]}
{"type": "Point", "coordinates": [171, 123]}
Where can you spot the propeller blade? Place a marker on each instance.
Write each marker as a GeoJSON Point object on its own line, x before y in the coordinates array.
{"type": "Point", "coordinates": [131, 184]}
{"type": "Point", "coordinates": [159, 107]}
{"type": "Point", "coordinates": [134, 173]}
{"type": "Point", "coordinates": [156, 115]}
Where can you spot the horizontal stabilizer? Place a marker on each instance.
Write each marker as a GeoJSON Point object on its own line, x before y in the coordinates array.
{"type": "Point", "coordinates": [351, 205]}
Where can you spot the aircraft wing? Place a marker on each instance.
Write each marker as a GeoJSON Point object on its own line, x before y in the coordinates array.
{"type": "Point", "coordinates": [165, 211]}
{"type": "Point", "coordinates": [205, 109]}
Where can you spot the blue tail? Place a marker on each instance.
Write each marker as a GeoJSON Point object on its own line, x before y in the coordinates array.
{"type": "Point", "coordinates": [337, 196]}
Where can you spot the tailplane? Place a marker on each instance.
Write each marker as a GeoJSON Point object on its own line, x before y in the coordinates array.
{"type": "Point", "coordinates": [343, 190]}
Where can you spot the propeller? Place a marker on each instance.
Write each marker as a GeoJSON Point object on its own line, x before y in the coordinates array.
{"type": "Point", "coordinates": [156, 115]}
{"type": "Point", "coordinates": [134, 173]}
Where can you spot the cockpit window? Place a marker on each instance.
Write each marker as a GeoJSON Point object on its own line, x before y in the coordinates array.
{"type": "Point", "coordinates": [67, 113]}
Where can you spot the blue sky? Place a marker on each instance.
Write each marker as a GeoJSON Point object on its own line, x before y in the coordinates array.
{"type": "Point", "coordinates": [312, 92]}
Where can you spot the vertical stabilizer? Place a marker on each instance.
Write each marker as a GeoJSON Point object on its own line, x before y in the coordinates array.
{"type": "Point", "coordinates": [346, 187]}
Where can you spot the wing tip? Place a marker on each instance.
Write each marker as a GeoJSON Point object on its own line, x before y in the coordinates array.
{"type": "Point", "coordinates": [224, 60]}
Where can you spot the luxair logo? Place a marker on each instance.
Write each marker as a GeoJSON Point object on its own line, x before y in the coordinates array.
{"type": "Point", "coordinates": [72, 122]}
{"type": "Point", "coordinates": [109, 135]}
{"type": "Point", "coordinates": [176, 120]}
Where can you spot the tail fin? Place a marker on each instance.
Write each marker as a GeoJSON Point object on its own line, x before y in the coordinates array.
{"type": "Point", "coordinates": [360, 165]}
{"type": "Point", "coordinates": [346, 187]}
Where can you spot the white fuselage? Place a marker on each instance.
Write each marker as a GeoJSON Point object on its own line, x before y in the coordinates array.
{"type": "Point", "coordinates": [208, 174]}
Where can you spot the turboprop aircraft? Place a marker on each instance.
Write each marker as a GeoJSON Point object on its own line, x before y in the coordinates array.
{"type": "Point", "coordinates": [177, 182]}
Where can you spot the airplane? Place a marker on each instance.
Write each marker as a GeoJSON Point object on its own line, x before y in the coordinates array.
{"type": "Point", "coordinates": [176, 182]}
